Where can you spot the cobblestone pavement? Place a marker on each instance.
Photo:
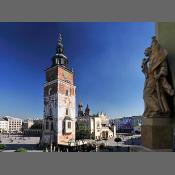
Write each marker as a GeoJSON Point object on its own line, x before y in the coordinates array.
{"type": "Point", "coordinates": [128, 143]}
{"type": "Point", "coordinates": [13, 142]}
{"type": "Point", "coordinates": [16, 139]}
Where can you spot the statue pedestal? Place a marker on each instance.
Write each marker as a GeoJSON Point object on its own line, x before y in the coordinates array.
{"type": "Point", "coordinates": [157, 133]}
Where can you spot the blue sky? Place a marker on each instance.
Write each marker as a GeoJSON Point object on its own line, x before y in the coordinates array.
{"type": "Point", "coordinates": [105, 57]}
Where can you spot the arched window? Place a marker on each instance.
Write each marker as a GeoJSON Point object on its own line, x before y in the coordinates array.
{"type": "Point", "coordinates": [69, 125]}
{"type": "Point", "coordinates": [50, 92]}
{"type": "Point", "coordinates": [50, 112]}
{"type": "Point", "coordinates": [59, 61]}
{"type": "Point", "coordinates": [47, 125]}
{"type": "Point", "coordinates": [50, 89]}
{"type": "Point", "coordinates": [52, 126]}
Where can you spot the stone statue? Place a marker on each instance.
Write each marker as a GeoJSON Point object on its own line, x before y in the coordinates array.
{"type": "Point", "coordinates": [156, 88]}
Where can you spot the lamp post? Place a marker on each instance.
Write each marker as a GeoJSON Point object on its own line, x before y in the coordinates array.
{"type": "Point", "coordinates": [82, 139]}
{"type": "Point", "coordinates": [77, 145]}
{"type": "Point", "coordinates": [97, 145]}
{"type": "Point", "coordinates": [50, 142]}
{"type": "Point", "coordinates": [0, 137]}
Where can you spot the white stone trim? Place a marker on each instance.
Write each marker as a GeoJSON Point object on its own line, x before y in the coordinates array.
{"type": "Point", "coordinates": [58, 81]}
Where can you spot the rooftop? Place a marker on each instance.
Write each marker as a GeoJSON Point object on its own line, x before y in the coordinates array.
{"type": "Point", "coordinates": [12, 118]}
{"type": "Point", "coordinates": [1, 119]}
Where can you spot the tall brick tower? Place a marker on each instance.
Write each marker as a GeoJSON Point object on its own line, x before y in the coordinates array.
{"type": "Point", "coordinates": [59, 101]}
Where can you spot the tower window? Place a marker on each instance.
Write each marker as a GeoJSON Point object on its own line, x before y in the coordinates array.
{"type": "Point", "coordinates": [52, 126]}
{"type": "Point", "coordinates": [67, 112]}
{"type": "Point", "coordinates": [50, 112]}
{"type": "Point", "coordinates": [47, 125]}
{"type": "Point", "coordinates": [67, 92]}
{"type": "Point", "coordinates": [69, 125]}
{"type": "Point", "coordinates": [62, 61]}
{"type": "Point", "coordinates": [56, 61]}
{"type": "Point", "coordinates": [51, 92]}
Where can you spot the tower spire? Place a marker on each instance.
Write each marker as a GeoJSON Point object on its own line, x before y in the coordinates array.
{"type": "Point", "coordinates": [59, 49]}
{"type": "Point", "coordinates": [87, 110]}
{"type": "Point", "coordinates": [60, 58]}
{"type": "Point", "coordinates": [60, 38]}
{"type": "Point", "coordinates": [80, 109]}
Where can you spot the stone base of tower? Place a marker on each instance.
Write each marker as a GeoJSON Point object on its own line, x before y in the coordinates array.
{"type": "Point", "coordinates": [57, 139]}
{"type": "Point", "coordinates": [47, 138]}
{"type": "Point", "coordinates": [67, 139]}
{"type": "Point", "coordinates": [157, 133]}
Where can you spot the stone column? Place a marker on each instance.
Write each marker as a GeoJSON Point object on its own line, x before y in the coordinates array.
{"type": "Point", "coordinates": [165, 32]}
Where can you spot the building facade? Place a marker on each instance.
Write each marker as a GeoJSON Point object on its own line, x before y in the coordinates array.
{"type": "Point", "coordinates": [101, 128]}
{"type": "Point", "coordinates": [27, 124]}
{"type": "Point", "coordinates": [15, 124]}
{"type": "Point", "coordinates": [116, 122]}
{"type": "Point", "coordinates": [59, 101]}
{"type": "Point", "coordinates": [128, 124]}
{"type": "Point", "coordinates": [32, 127]}
{"type": "Point", "coordinates": [93, 126]}
{"type": "Point", "coordinates": [4, 126]}
{"type": "Point", "coordinates": [137, 121]}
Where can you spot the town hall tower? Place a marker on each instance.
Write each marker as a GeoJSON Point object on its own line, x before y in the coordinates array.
{"type": "Point", "coordinates": [59, 101]}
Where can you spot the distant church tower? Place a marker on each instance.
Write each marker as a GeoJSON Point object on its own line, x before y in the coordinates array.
{"type": "Point", "coordinates": [87, 110]}
{"type": "Point", "coordinates": [80, 110]}
{"type": "Point", "coordinates": [59, 101]}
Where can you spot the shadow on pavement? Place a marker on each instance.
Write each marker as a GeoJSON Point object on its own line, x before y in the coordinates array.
{"type": "Point", "coordinates": [16, 146]}
{"type": "Point", "coordinates": [115, 149]}
{"type": "Point", "coordinates": [133, 141]}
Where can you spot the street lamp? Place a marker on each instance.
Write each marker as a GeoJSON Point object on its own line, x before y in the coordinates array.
{"type": "Point", "coordinates": [72, 142]}
{"type": "Point", "coordinates": [0, 137]}
{"type": "Point", "coordinates": [77, 145]}
{"type": "Point", "coordinates": [97, 145]}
